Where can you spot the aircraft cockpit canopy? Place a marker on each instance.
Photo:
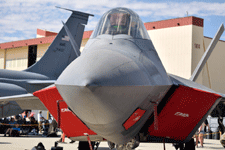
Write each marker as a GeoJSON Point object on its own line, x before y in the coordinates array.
{"type": "Point", "coordinates": [121, 21]}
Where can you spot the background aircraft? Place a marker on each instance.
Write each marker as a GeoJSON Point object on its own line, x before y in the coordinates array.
{"type": "Point", "coordinates": [43, 73]}
{"type": "Point", "coordinates": [119, 88]}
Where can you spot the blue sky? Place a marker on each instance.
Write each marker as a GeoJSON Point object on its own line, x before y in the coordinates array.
{"type": "Point", "coordinates": [19, 19]}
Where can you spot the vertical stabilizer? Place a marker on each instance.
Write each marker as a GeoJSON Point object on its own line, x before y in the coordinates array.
{"type": "Point", "coordinates": [207, 53]}
{"type": "Point", "coordinates": [60, 53]}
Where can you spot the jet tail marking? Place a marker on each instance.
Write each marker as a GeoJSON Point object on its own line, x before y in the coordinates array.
{"type": "Point", "coordinates": [72, 41]}
{"type": "Point", "coordinates": [206, 55]}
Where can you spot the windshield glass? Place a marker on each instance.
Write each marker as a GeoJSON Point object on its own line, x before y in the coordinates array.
{"type": "Point", "coordinates": [121, 21]}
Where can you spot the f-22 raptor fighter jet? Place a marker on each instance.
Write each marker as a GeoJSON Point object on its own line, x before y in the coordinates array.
{"type": "Point", "coordinates": [119, 88]}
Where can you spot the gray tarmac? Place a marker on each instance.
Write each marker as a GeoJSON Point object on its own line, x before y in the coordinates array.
{"type": "Point", "coordinates": [27, 143]}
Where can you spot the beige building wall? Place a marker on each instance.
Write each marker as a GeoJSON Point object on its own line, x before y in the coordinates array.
{"type": "Point", "coordinates": [2, 58]}
{"type": "Point", "coordinates": [180, 50]}
{"type": "Point", "coordinates": [16, 59]}
{"type": "Point", "coordinates": [197, 50]}
{"type": "Point", "coordinates": [41, 49]}
{"type": "Point", "coordinates": [215, 70]}
{"type": "Point", "coordinates": [174, 48]}
{"type": "Point", "coordinates": [83, 43]}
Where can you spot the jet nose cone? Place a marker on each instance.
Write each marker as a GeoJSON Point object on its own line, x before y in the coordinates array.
{"type": "Point", "coordinates": [102, 68]}
{"type": "Point", "coordinates": [84, 82]}
{"type": "Point", "coordinates": [100, 88]}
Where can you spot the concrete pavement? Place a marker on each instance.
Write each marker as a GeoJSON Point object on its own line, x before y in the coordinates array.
{"type": "Point", "coordinates": [27, 143]}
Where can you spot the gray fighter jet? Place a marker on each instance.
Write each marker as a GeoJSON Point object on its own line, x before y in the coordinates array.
{"type": "Point", "coordinates": [16, 85]}
{"type": "Point", "coordinates": [118, 86]}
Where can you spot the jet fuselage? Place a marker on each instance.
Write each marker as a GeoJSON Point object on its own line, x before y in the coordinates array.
{"type": "Point", "coordinates": [114, 76]}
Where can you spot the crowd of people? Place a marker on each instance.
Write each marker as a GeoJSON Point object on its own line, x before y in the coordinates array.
{"type": "Point", "coordinates": [24, 123]}
{"type": "Point", "coordinates": [13, 126]}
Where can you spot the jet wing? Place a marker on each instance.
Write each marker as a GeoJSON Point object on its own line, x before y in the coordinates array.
{"type": "Point", "coordinates": [14, 99]}
{"type": "Point", "coordinates": [42, 82]}
{"type": "Point", "coordinates": [24, 101]}
{"type": "Point", "coordinates": [11, 105]}
{"type": "Point", "coordinates": [18, 97]}
{"type": "Point", "coordinates": [181, 81]}
{"type": "Point", "coordinates": [182, 111]}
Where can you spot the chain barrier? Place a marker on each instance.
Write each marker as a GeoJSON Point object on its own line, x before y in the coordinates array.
{"type": "Point", "coordinates": [30, 125]}
{"type": "Point", "coordinates": [211, 133]}
{"type": "Point", "coordinates": [208, 135]}
{"type": "Point", "coordinates": [16, 124]}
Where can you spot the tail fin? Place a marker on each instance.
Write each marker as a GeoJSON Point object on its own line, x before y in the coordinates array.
{"type": "Point", "coordinates": [60, 53]}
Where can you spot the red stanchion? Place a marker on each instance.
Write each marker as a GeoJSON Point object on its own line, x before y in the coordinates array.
{"type": "Point", "coordinates": [63, 137]}
{"type": "Point", "coordinates": [89, 140]}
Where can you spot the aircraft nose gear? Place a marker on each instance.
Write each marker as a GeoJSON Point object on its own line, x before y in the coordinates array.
{"type": "Point", "coordinates": [134, 143]}
{"type": "Point", "coordinates": [111, 145]}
